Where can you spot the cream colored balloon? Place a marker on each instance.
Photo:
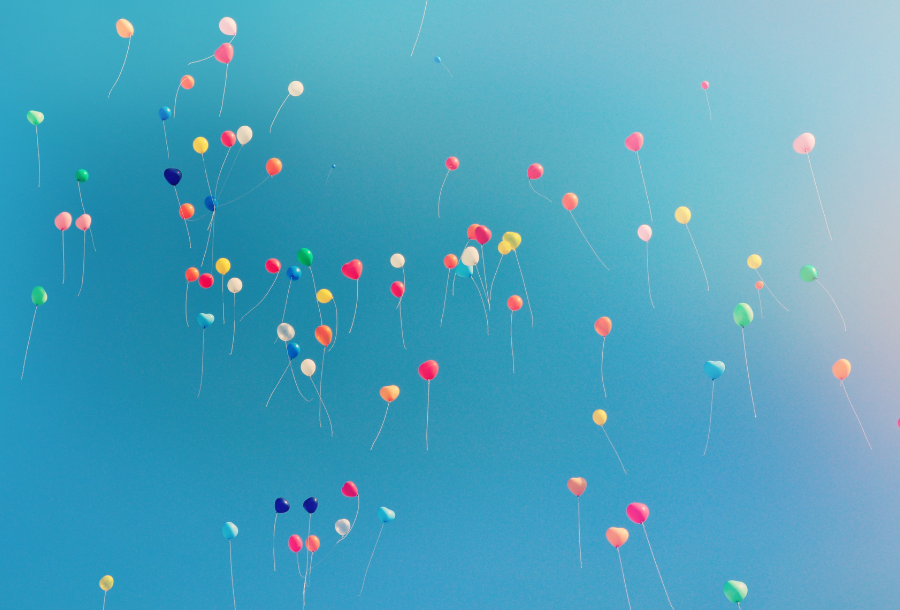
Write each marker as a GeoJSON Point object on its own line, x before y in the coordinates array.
{"type": "Point", "coordinates": [342, 527]}
{"type": "Point", "coordinates": [285, 332]}
{"type": "Point", "coordinates": [308, 367]}
{"type": "Point", "coordinates": [295, 88]}
{"type": "Point", "coordinates": [470, 256]}
{"type": "Point", "coordinates": [244, 134]}
{"type": "Point", "coordinates": [397, 261]}
{"type": "Point", "coordinates": [235, 285]}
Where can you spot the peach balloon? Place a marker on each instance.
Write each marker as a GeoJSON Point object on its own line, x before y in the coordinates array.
{"type": "Point", "coordinates": [759, 285]}
{"type": "Point", "coordinates": [63, 221]}
{"type": "Point", "coordinates": [603, 326]}
{"type": "Point", "coordinates": [617, 536]}
{"type": "Point", "coordinates": [645, 232]}
{"type": "Point", "coordinates": [187, 81]}
{"type": "Point", "coordinates": [83, 222]}
{"type": "Point", "coordinates": [535, 171]}
{"type": "Point", "coordinates": [389, 393]}
{"type": "Point", "coordinates": [635, 141]}
{"type": "Point", "coordinates": [841, 369]}
{"type": "Point", "coordinates": [570, 201]}
{"type": "Point", "coordinates": [704, 85]}
{"type": "Point", "coordinates": [804, 143]}
{"type": "Point", "coordinates": [124, 28]}
{"type": "Point", "coordinates": [312, 544]}
{"type": "Point", "coordinates": [450, 261]}
{"type": "Point", "coordinates": [577, 485]}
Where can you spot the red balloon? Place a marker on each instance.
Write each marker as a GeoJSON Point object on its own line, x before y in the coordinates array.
{"type": "Point", "coordinates": [397, 289]}
{"type": "Point", "coordinates": [535, 171]}
{"type": "Point", "coordinates": [428, 370]}
{"type": "Point", "coordinates": [570, 201]}
{"type": "Point", "coordinates": [603, 326]}
{"type": "Point", "coordinates": [273, 166]}
{"type": "Point", "coordinates": [470, 232]}
{"type": "Point", "coordinates": [273, 265]}
{"type": "Point", "coordinates": [482, 234]}
{"type": "Point", "coordinates": [206, 280]}
{"type": "Point", "coordinates": [353, 269]}
{"type": "Point", "coordinates": [186, 210]}
{"type": "Point", "coordinates": [192, 274]}
{"type": "Point", "coordinates": [452, 163]}
{"type": "Point", "coordinates": [514, 302]}
{"type": "Point", "coordinates": [450, 261]}
{"type": "Point", "coordinates": [228, 138]}
{"type": "Point", "coordinates": [295, 543]}
{"type": "Point", "coordinates": [637, 512]}
{"type": "Point", "coordinates": [349, 489]}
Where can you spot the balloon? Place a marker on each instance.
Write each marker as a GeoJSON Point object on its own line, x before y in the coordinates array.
{"type": "Point", "coordinates": [229, 530]}
{"type": "Point", "coordinates": [742, 314]}
{"type": "Point", "coordinates": [808, 273]}
{"type": "Point", "coordinates": [397, 261]}
{"type": "Point", "coordinates": [503, 248]}
{"type": "Point", "coordinates": [224, 53]}
{"type": "Point", "coordinates": [617, 536]}
{"type": "Point", "coordinates": [293, 350]}
{"type": "Point", "coordinates": [470, 256]}
{"type": "Point", "coordinates": [754, 261]}
{"type": "Point", "coordinates": [323, 335]}
{"type": "Point", "coordinates": [106, 583]}
{"type": "Point", "coordinates": [227, 26]}
{"type": "Point", "coordinates": [228, 138]}
{"type": "Point", "coordinates": [397, 289]}
{"type": "Point", "coordinates": [452, 163]}
{"type": "Point", "coordinates": [342, 527]}
{"type": "Point", "coordinates": [273, 166]}
{"type": "Point", "coordinates": [207, 280]}
{"type": "Point", "coordinates": [714, 369]}
{"type": "Point", "coordinates": [535, 171]}
{"type": "Point", "coordinates": [324, 296]}
{"type": "Point", "coordinates": [304, 255]}
{"type": "Point", "coordinates": [386, 515]}
{"type": "Point", "coordinates": [172, 176]}
{"type": "Point", "coordinates": [513, 239]}
{"type": "Point", "coordinates": [464, 271]}
{"type": "Point", "coordinates": [804, 143]}
{"type": "Point", "coordinates": [204, 320]}
{"type": "Point", "coordinates": [83, 222]}
{"type": "Point", "coordinates": [353, 269]}
{"type": "Point", "coordinates": [599, 417]}
{"type": "Point", "coordinates": [514, 302]}
{"type": "Point", "coordinates": [63, 221]}
{"type": "Point", "coordinates": [211, 203]}
{"type": "Point", "coordinates": [683, 215]}
{"type": "Point", "coordinates": [482, 234]}
{"type": "Point", "coordinates": [759, 285]}
{"type": "Point", "coordinates": [637, 512]}
{"type": "Point", "coordinates": [282, 505]}
{"type": "Point", "coordinates": [234, 285]}
{"type": "Point", "coordinates": [244, 135]}
{"type": "Point", "coordinates": [603, 326]}
{"type": "Point", "coordinates": [285, 331]}
{"type": "Point", "coordinates": [349, 489]}
{"type": "Point", "coordinates": [841, 369]}
{"type": "Point", "coordinates": [81, 175]}
{"type": "Point", "coordinates": [470, 232]}
{"type": "Point", "coordinates": [577, 485]}
{"type": "Point", "coordinates": [428, 370]}
{"type": "Point", "coordinates": [312, 544]}
{"type": "Point", "coordinates": [200, 145]}
{"type": "Point", "coordinates": [308, 367]}
{"type": "Point", "coordinates": [294, 272]}
{"type": "Point", "coordinates": [570, 201]}
{"type": "Point", "coordinates": [635, 141]}
{"type": "Point", "coordinates": [389, 393]}
{"type": "Point", "coordinates": [735, 591]}
{"type": "Point", "coordinates": [295, 543]}
{"type": "Point", "coordinates": [704, 85]}
{"type": "Point", "coordinates": [165, 113]}
{"type": "Point", "coordinates": [125, 30]}
{"type": "Point", "coordinates": [273, 265]}
{"type": "Point", "coordinates": [450, 261]}
{"type": "Point", "coordinates": [192, 274]}
{"type": "Point", "coordinates": [186, 210]}
{"type": "Point", "coordinates": [187, 81]}
{"type": "Point", "coordinates": [223, 266]}
{"type": "Point", "coordinates": [295, 88]}
{"type": "Point", "coordinates": [310, 505]}
{"type": "Point", "coordinates": [36, 118]}
{"type": "Point", "coordinates": [644, 232]}
{"type": "Point", "coordinates": [38, 296]}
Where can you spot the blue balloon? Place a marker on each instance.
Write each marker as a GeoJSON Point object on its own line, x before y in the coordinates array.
{"type": "Point", "coordinates": [211, 203]}
{"type": "Point", "coordinates": [464, 270]}
{"type": "Point", "coordinates": [333, 166]}
{"type": "Point", "coordinates": [172, 176]}
{"type": "Point", "coordinates": [437, 60]}
{"type": "Point", "coordinates": [165, 113]}
{"type": "Point", "coordinates": [386, 515]}
{"type": "Point", "coordinates": [714, 369]}
{"type": "Point", "coordinates": [294, 272]}
{"type": "Point", "coordinates": [310, 505]}
{"type": "Point", "coordinates": [293, 350]}
{"type": "Point", "coordinates": [205, 319]}
{"type": "Point", "coordinates": [229, 530]}
{"type": "Point", "coordinates": [282, 505]}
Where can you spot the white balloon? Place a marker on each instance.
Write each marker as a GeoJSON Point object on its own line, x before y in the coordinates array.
{"type": "Point", "coordinates": [470, 256]}
{"type": "Point", "coordinates": [244, 134]}
{"type": "Point", "coordinates": [398, 261]}
{"type": "Point", "coordinates": [228, 26]}
{"type": "Point", "coordinates": [342, 527]}
{"type": "Point", "coordinates": [285, 332]}
{"type": "Point", "coordinates": [295, 88]}
{"type": "Point", "coordinates": [308, 367]}
{"type": "Point", "coordinates": [235, 285]}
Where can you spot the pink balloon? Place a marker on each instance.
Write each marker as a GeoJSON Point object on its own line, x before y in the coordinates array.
{"type": "Point", "coordinates": [637, 512]}
{"type": "Point", "coordinates": [225, 53]}
{"type": "Point", "coordinates": [295, 543]}
{"type": "Point", "coordinates": [704, 85]}
{"type": "Point", "coordinates": [645, 232]}
{"type": "Point", "coordinates": [63, 221]}
{"type": "Point", "coordinates": [83, 222]}
{"type": "Point", "coordinates": [535, 171]}
{"type": "Point", "coordinates": [228, 26]}
{"type": "Point", "coordinates": [804, 143]}
{"type": "Point", "coordinates": [273, 265]}
{"type": "Point", "coordinates": [635, 141]}
{"type": "Point", "coordinates": [617, 536]}
{"type": "Point", "coordinates": [228, 138]}
{"type": "Point", "coordinates": [577, 485]}
{"type": "Point", "coordinates": [452, 163]}
{"type": "Point", "coordinates": [349, 489]}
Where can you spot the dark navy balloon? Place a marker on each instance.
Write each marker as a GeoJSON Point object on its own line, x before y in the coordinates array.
{"type": "Point", "coordinates": [173, 176]}
{"type": "Point", "coordinates": [310, 505]}
{"type": "Point", "coordinates": [294, 272]}
{"type": "Point", "coordinates": [282, 505]}
{"type": "Point", "coordinates": [293, 350]}
{"type": "Point", "coordinates": [211, 203]}
{"type": "Point", "coordinates": [165, 113]}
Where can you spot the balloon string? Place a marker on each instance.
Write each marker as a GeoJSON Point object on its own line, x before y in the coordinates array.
{"type": "Point", "coordinates": [197, 62]}
{"type": "Point", "coordinates": [483, 280]}
{"type": "Point", "coordinates": [525, 287]}
{"type": "Point", "coordinates": [166, 136]}
{"type": "Point", "coordinates": [202, 355]}
{"type": "Point", "coordinates": [440, 193]}
{"type": "Point", "coordinates": [370, 560]}
{"type": "Point", "coordinates": [453, 289]}
{"type": "Point", "coordinates": [650, 292]}
{"type": "Point", "coordinates": [212, 255]}
{"type": "Point", "coordinates": [645, 184]}
{"type": "Point", "coordinates": [245, 194]}
{"type": "Point", "coordinates": [222, 105]}
{"type": "Point", "coordinates": [402, 338]}
{"type": "Point", "coordinates": [326, 184]}
{"type": "Point", "coordinates": [403, 269]}
{"type": "Point", "coordinates": [382, 426]}
{"type": "Point", "coordinates": [27, 345]}
{"type": "Point", "coordinates": [321, 387]}
{"type": "Point", "coordinates": [580, 565]}
{"type": "Point", "coordinates": [447, 69]}
{"type": "Point", "coordinates": [491, 291]}
{"type": "Point", "coordinates": [279, 110]}
{"type": "Point", "coordinates": [354, 307]}
{"type": "Point", "coordinates": [602, 349]}
{"type": "Point", "coordinates": [427, 407]}
{"type": "Point", "coordinates": [232, 575]}
{"type": "Point", "coordinates": [63, 233]}
{"type": "Point", "coordinates": [221, 168]}
{"type": "Point", "coordinates": [80, 198]}
{"type": "Point", "coordinates": [482, 284]}
{"type": "Point", "coordinates": [614, 449]}
{"type": "Point", "coordinates": [187, 286]}
{"type": "Point", "coordinates": [623, 578]}
{"type": "Point", "coordinates": [511, 350]}
{"type": "Point", "coordinates": [267, 404]}
{"type": "Point", "coordinates": [586, 241]}
{"type": "Point", "coordinates": [322, 402]}
{"type": "Point", "coordinates": [208, 187]}
{"type": "Point", "coordinates": [857, 416]}
{"type": "Point", "coordinates": [120, 71]}
{"type": "Point", "coordinates": [83, 256]}
{"type": "Point", "coordinates": [208, 236]}
{"type": "Point", "coordinates": [233, 320]}
{"type": "Point", "coordinates": [223, 298]}
{"type": "Point", "coordinates": [285, 305]}
{"type": "Point", "coordinates": [770, 292]}
{"type": "Point", "coordinates": [535, 192]}
{"type": "Point", "coordinates": [707, 104]}
{"type": "Point", "coordinates": [445, 298]}
{"type": "Point", "coordinates": [657, 567]}
{"type": "Point", "coordinates": [486, 323]}
{"type": "Point", "coordinates": [835, 304]}
{"type": "Point", "coordinates": [335, 323]}
{"type": "Point", "coordinates": [411, 54]}
{"type": "Point", "coordinates": [748, 371]}
{"type": "Point", "coordinates": [262, 299]}
{"type": "Point", "coordinates": [295, 382]}
{"type": "Point", "coordinates": [177, 198]}
{"type": "Point", "coordinates": [306, 562]}
{"type": "Point", "coordinates": [273, 540]}
{"type": "Point", "coordinates": [711, 398]}
{"type": "Point", "coordinates": [104, 600]}
{"type": "Point", "coordinates": [698, 256]}
{"type": "Point", "coordinates": [38, 141]}
{"type": "Point", "coordinates": [175, 105]}
{"type": "Point", "coordinates": [817, 195]}
{"type": "Point", "coordinates": [233, 163]}
{"type": "Point", "coordinates": [760, 304]}
{"type": "Point", "coordinates": [315, 292]}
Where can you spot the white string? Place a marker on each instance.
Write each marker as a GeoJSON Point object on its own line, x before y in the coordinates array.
{"type": "Point", "coordinates": [262, 299]}
{"type": "Point", "coordinates": [285, 305]}
{"type": "Point", "coordinates": [38, 140]}
{"type": "Point", "coordinates": [208, 187]}
{"type": "Point", "coordinates": [411, 54]}
{"type": "Point", "coordinates": [221, 168]}
{"type": "Point", "coordinates": [186, 288]}
{"type": "Point", "coordinates": [482, 283]}
{"type": "Point", "coordinates": [223, 90]}
{"type": "Point", "coordinates": [321, 387]}
{"type": "Point", "coordinates": [232, 167]}
{"type": "Point", "coordinates": [759, 294]}
{"type": "Point", "coordinates": [276, 116]}
{"type": "Point", "coordinates": [525, 287]}
{"type": "Point", "coordinates": [166, 136]}
{"type": "Point", "coordinates": [29, 343]}
{"type": "Point", "coordinates": [535, 192]}
{"type": "Point", "coordinates": [586, 241]}
{"type": "Point", "coordinates": [273, 542]}
{"type": "Point", "coordinates": [491, 291]}
{"type": "Point", "coordinates": [623, 578]}
{"type": "Point", "coordinates": [441, 192]}
{"type": "Point", "coordinates": [650, 292]}
{"type": "Point", "coordinates": [232, 575]}
{"type": "Point", "coordinates": [120, 73]}
{"type": "Point", "coordinates": [208, 236]}
{"type": "Point", "coordinates": [233, 323]}
{"type": "Point", "coordinates": [602, 349]}
{"type": "Point", "coordinates": [357, 305]}
{"type": "Point", "coordinates": [322, 402]}
{"type": "Point", "coordinates": [444, 308]}
{"type": "Point", "coordinates": [104, 600]}
{"type": "Point", "coordinates": [748, 371]}
{"type": "Point", "coordinates": [83, 256]}
{"type": "Point", "coordinates": [835, 304]}
{"type": "Point", "coordinates": [85, 211]}
{"type": "Point", "coordinates": [707, 104]}
{"type": "Point", "coordinates": [766, 284]}
{"type": "Point", "coordinates": [427, 407]}
{"type": "Point", "coordinates": [267, 404]}
{"type": "Point", "coordinates": [487, 324]}
{"type": "Point", "coordinates": [657, 566]}
{"type": "Point", "coordinates": [580, 565]}
{"type": "Point", "coordinates": [245, 194]}
{"type": "Point", "coordinates": [315, 292]}
{"type": "Point", "coordinates": [483, 280]}
{"type": "Point", "coordinates": [447, 69]}
{"type": "Point", "coordinates": [382, 426]}
{"type": "Point", "coordinates": [511, 350]}
{"type": "Point", "coordinates": [326, 184]}
{"type": "Point", "coordinates": [614, 449]}
{"type": "Point", "coordinates": [202, 354]}
{"type": "Point", "coordinates": [333, 300]}
{"type": "Point", "coordinates": [370, 560]}
{"type": "Point", "coordinates": [817, 195]}
{"type": "Point", "coordinates": [291, 364]}
{"type": "Point", "coordinates": [698, 257]}
{"type": "Point", "coordinates": [645, 184]}
{"type": "Point", "coordinates": [197, 62]}
{"type": "Point", "coordinates": [175, 105]}
{"type": "Point", "coordinates": [63, 233]}
{"type": "Point", "coordinates": [857, 416]}
{"type": "Point", "coordinates": [711, 398]}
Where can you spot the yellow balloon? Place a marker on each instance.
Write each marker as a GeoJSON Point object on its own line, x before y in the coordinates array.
{"type": "Point", "coordinates": [324, 295]}
{"type": "Point", "coordinates": [201, 145]}
{"type": "Point", "coordinates": [504, 248]}
{"type": "Point", "coordinates": [513, 239]}
{"type": "Point", "coordinates": [599, 417]}
{"type": "Point", "coordinates": [683, 215]}
{"type": "Point", "coordinates": [754, 261]}
{"type": "Point", "coordinates": [223, 266]}
{"type": "Point", "coordinates": [106, 582]}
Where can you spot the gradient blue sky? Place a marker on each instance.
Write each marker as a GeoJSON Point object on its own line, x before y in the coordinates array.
{"type": "Point", "coordinates": [111, 465]}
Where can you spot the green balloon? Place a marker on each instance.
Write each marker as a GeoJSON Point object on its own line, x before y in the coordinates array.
{"type": "Point", "coordinates": [34, 117]}
{"type": "Point", "coordinates": [38, 296]}
{"type": "Point", "coordinates": [742, 315]}
{"type": "Point", "coordinates": [808, 273]}
{"type": "Point", "coordinates": [735, 591]}
{"type": "Point", "coordinates": [81, 175]}
{"type": "Point", "coordinates": [304, 256]}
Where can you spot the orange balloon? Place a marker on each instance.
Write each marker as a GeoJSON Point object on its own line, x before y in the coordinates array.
{"type": "Point", "coordinates": [617, 536]}
{"type": "Point", "coordinates": [186, 210]}
{"type": "Point", "coordinates": [759, 285]}
{"type": "Point", "coordinates": [273, 166]}
{"type": "Point", "coordinates": [187, 81]}
{"type": "Point", "coordinates": [390, 393]}
{"type": "Point", "coordinates": [323, 335]}
{"type": "Point", "coordinates": [603, 326]}
{"type": "Point", "coordinates": [192, 274]}
{"type": "Point", "coordinates": [514, 302]}
{"type": "Point", "coordinates": [470, 232]}
{"type": "Point", "coordinates": [450, 261]}
{"type": "Point", "coordinates": [312, 544]}
{"type": "Point", "coordinates": [841, 369]}
{"type": "Point", "coordinates": [570, 201]}
{"type": "Point", "coordinates": [577, 485]}
{"type": "Point", "coordinates": [124, 28]}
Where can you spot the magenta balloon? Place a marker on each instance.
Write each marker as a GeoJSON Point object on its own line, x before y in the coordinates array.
{"type": "Point", "coordinates": [83, 222]}
{"type": "Point", "coordinates": [645, 232]}
{"type": "Point", "coordinates": [804, 143]}
{"type": "Point", "coordinates": [63, 221]}
{"type": "Point", "coordinates": [225, 53]}
{"type": "Point", "coordinates": [635, 141]}
{"type": "Point", "coordinates": [637, 512]}
{"type": "Point", "coordinates": [704, 85]}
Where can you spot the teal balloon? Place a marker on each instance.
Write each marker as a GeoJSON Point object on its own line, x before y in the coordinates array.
{"type": "Point", "coordinates": [205, 319]}
{"type": "Point", "coordinates": [38, 296]}
{"type": "Point", "coordinates": [742, 315]}
{"type": "Point", "coordinates": [714, 369]}
{"type": "Point", "coordinates": [304, 255]}
{"type": "Point", "coordinates": [464, 270]}
{"type": "Point", "coordinates": [808, 273]}
{"type": "Point", "coordinates": [229, 530]}
{"type": "Point", "coordinates": [81, 175]}
{"type": "Point", "coordinates": [735, 591]}
{"type": "Point", "coordinates": [386, 515]}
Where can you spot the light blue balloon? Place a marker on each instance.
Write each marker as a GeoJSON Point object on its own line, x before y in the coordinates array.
{"type": "Point", "coordinates": [464, 270]}
{"type": "Point", "coordinates": [437, 60]}
{"type": "Point", "coordinates": [165, 113]}
{"type": "Point", "coordinates": [714, 369]}
{"type": "Point", "coordinates": [229, 530]}
{"type": "Point", "coordinates": [205, 319]}
{"type": "Point", "coordinates": [386, 515]}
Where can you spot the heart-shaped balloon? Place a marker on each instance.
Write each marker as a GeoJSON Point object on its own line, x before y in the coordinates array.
{"type": "Point", "coordinates": [735, 591]}
{"type": "Point", "coordinates": [637, 512]}
{"type": "Point", "coordinates": [225, 53]}
{"type": "Point", "coordinates": [83, 222]}
{"type": "Point", "coordinates": [172, 176]}
{"type": "Point", "coordinates": [205, 320]}
{"type": "Point", "coordinates": [386, 515]}
{"type": "Point", "coordinates": [34, 117]}
{"type": "Point", "coordinates": [513, 239]}
{"type": "Point", "coordinates": [389, 393]}
{"type": "Point", "coordinates": [63, 221]}
{"type": "Point", "coordinates": [714, 369]}
{"type": "Point", "coordinates": [353, 269]}
{"type": "Point", "coordinates": [349, 489]}
{"type": "Point", "coordinates": [482, 234]}
{"type": "Point", "coordinates": [635, 141]}
{"type": "Point", "coordinates": [293, 350]}
{"type": "Point", "coordinates": [577, 485]}
{"type": "Point", "coordinates": [617, 536]}
{"type": "Point", "coordinates": [310, 505]}
{"type": "Point", "coordinates": [282, 505]}
{"type": "Point", "coordinates": [428, 370]}
{"type": "Point", "coordinates": [804, 143]}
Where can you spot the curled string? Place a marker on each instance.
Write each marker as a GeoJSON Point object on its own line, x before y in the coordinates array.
{"type": "Point", "coordinates": [223, 90]}
{"type": "Point", "coordinates": [698, 257]}
{"type": "Point", "coordinates": [645, 185]}
{"type": "Point", "coordinates": [208, 187]}
{"type": "Point", "coordinates": [487, 324]}
{"type": "Point", "coordinates": [233, 163]}
{"type": "Point", "coordinates": [83, 257]}
{"type": "Point", "coordinates": [267, 404]}
{"type": "Point", "coordinates": [746, 363]}
{"type": "Point", "coordinates": [245, 194]}
{"type": "Point", "coordinates": [120, 73]}
{"type": "Point", "coordinates": [208, 236]}
{"type": "Point", "coordinates": [491, 291]}
{"type": "Point", "coordinates": [186, 288]}
{"type": "Point", "coordinates": [295, 382]}
{"type": "Point", "coordinates": [233, 323]}
{"type": "Point", "coordinates": [382, 426]}
{"type": "Point", "coordinates": [445, 297]}
{"type": "Point", "coordinates": [38, 141]}
{"type": "Point", "coordinates": [835, 304]}
{"type": "Point", "coordinates": [322, 402]}
{"type": "Point", "coordinates": [759, 294]}
{"type": "Point", "coordinates": [262, 299]}
{"type": "Point", "coordinates": [411, 54]}
{"type": "Point", "coordinates": [648, 276]}
{"type": "Point", "coordinates": [285, 305]}
{"type": "Point", "coordinates": [817, 195]}
{"type": "Point", "coordinates": [355, 306]}
{"type": "Point", "coordinates": [766, 284]}
{"type": "Point", "coordinates": [315, 292]}
{"type": "Point", "coordinates": [614, 449]}
{"type": "Point", "coordinates": [707, 104]}
{"type": "Point", "coordinates": [441, 192]}
{"type": "Point", "coordinates": [580, 565]}
{"type": "Point", "coordinates": [202, 354]}
{"type": "Point", "coordinates": [222, 167]}
{"type": "Point", "coordinates": [535, 192]}
{"type": "Point", "coordinates": [586, 241]}
{"type": "Point", "coordinates": [602, 349]}
{"type": "Point", "coordinates": [276, 116]}
{"type": "Point", "coordinates": [335, 323]}
{"type": "Point", "coordinates": [166, 136]}
{"type": "Point", "coordinates": [175, 105]}
{"type": "Point", "coordinates": [29, 343]}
